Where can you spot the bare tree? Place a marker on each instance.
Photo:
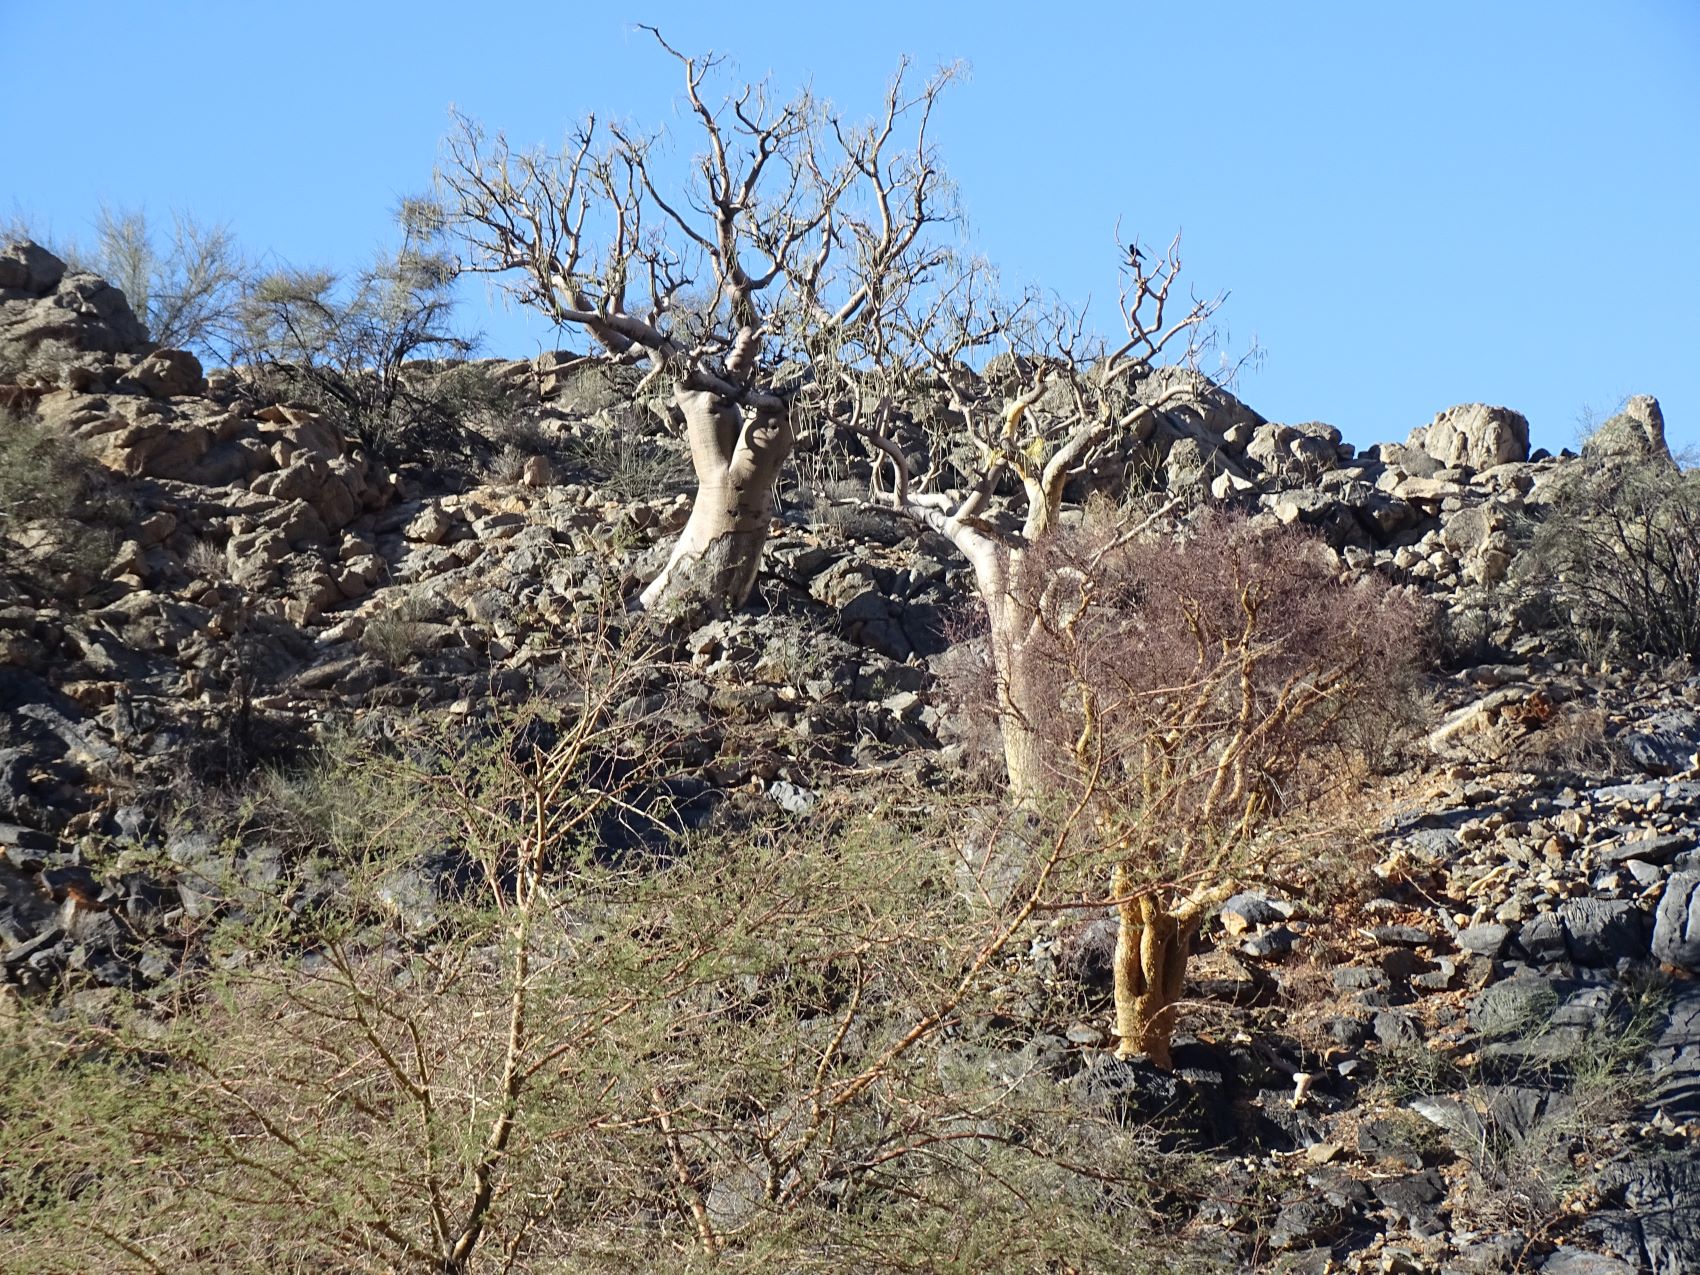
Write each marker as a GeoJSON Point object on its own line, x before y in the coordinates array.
{"type": "Point", "coordinates": [1039, 415]}
{"type": "Point", "coordinates": [187, 290]}
{"type": "Point", "coordinates": [1161, 698]}
{"type": "Point", "coordinates": [794, 239]}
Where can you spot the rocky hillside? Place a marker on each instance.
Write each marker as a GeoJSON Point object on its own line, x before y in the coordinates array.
{"type": "Point", "coordinates": [1409, 1075]}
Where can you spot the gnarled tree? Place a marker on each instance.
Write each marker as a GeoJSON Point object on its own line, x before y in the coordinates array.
{"type": "Point", "coordinates": [1040, 414]}
{"type": "Point", "coordinates": [1162, 699]}
{"type": "Point", "coordinates": [792, 239]}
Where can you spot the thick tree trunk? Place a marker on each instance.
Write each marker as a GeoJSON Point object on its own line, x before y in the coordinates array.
{"type": "Point", "coordinates": [1018, 702]}
{"type": "Point", "coordinates": [1149, 972]}
{"type": "Point", "coordinates": [737, 455]}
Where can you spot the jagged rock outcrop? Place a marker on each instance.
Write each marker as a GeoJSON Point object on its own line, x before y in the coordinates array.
{"type": "Point", "coordinates": [1636, 433]}
{"type": "Point", "coordinates": [1474, 434]}
{"type": "Point", "coordinates": [48, 311]}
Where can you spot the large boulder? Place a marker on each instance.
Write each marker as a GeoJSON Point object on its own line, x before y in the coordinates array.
{"type": "Point", "coordinates": [45, 306]}
{"type": "Point", "coordinates": [1194, 405]}
{"type": "Point", "coordinates": [1676, 927]}
{"type": "Point", "coordinates": [169, 374]}
{"type": "Point", "coordinates": [29, 268]}
{"type": "Point", "coordinates": [1474, 434]}
{"type": "Point", "coordinates": [1637, 433]}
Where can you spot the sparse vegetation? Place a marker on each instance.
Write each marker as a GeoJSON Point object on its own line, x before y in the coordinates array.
{"type": "Point", "coordinates": [351, 348]}
{"type": "Point", "coordinates": [671, 1055]}
{"type": "Point", "coordinates": [1617, 550]}
{"type": "Point", "coordinates": [54, 528]}
{"type": "Point", "coordinates": [42, 473]}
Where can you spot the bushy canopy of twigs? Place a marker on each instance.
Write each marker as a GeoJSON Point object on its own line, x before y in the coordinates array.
{"type": "Point", "coordinates": [793, 234]}
{"type": "Point", "coordinates": [344, 345]}
{"type": "Point", "coordinates": [1192, 687]}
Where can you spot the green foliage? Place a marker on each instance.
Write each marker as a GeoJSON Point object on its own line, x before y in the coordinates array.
{"type": "Point", "coordinates": [54, 530]}
{"type": "Point", "coordinates": [43, 474]}
{"type": "Point", "coordinates": [350, 348]}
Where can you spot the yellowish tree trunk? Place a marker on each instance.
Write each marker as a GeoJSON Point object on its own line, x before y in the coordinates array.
{"type": "Point", "coordinates": [1149, 972]}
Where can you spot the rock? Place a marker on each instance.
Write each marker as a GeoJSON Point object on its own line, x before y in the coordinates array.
{"type": "Point", "coordinates": [538, 472]}
{"type": "Point", "coordinates": [1401, 936]}
{"type": "Point", "coordinates": [1415, 1200]}
{"type": "Point", "coordinates": [1674, 1059]}
{"type": "Point", "coordinates": [1658, 1227]}
{"type": "Point", "coordinates": [1244, 911]}
{"type": "Point", "coordinates": [28, 267]}
{"type": "Point", "coordinates": [1575, 1261]}
{"type": "Point", "coordinates": [1664, 744]}
{"type": "Point", "coordinates": [26, 906]}
{"type": "Point", "coordinates": [792, 798]}
{"type": "Point", "coordinates": [1656, 849]}
{"type": "Point", "coordinates": [1487, 939]}
{"type": "Point", "coordinates": [169, 373]}
{"type": "Point", "coordinates": [1676, 925]}
{"type": "Point", "coordinates": [77, 311]}
{"type": "Point", "coordinates": [431, 526]}
{"type": "Point", "coordinates": [1590, 932]}
{"type": "Point", "coordinates": [1637, 433]}
{"type": "Point", "coordinates": [1305, 1222]}
{"type": "Point", "coordinates": [1476, 435]}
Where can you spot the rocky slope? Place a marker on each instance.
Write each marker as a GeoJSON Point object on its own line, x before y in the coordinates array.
{"type": "Point", "coordinates": [250, 580]}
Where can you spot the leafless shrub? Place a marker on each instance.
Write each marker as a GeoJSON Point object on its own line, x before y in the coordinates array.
{"type": "Point", "coordinates": [1181, 694]}
{"type": "Point", "coordinates": [1617, 549]}
{"type": "Point", "coordinates": [681, 1053]}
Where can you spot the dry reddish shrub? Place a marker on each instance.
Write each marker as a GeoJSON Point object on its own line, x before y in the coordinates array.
{"type": "Point", "coordinates": [1183, 639]}
{"type": "Point", "coordinates": [1184, 692]}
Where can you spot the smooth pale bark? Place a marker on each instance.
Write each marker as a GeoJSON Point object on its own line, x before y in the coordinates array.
{"type": "Point", "coordinates": [1018, 700]}
{"type": "Point", "coordinates": [737, 453]}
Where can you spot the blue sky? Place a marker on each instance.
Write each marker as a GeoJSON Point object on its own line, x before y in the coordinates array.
{"type": "Point", "coordinates": [1412, 205]}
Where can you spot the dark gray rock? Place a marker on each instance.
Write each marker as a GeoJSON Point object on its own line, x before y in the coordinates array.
{"type": "Point", "coordinates": [1271, 944]}
{"type": "Point", "coordinates": [1487, 939]}
{"type": "Point", "coordinates": [1663, 743]}
{"type": "Point", "coordinates": [1395, 1028]}
{"type": "Point", "coordinates": [1658, 849]}
{"type": "Point", "coordinates": [1674, 1058]}
{"type": "Point", "coordinates": [1248, 910]}
{"type": "Point", "coordinates": [1415, 1200]}
{"type": "Point", "coordinates": [1575, 1261]}
{"type": "Point", "coordinates": [26, 906]}
{"type": "Point", "coordinates": [1306, 1222]}
{"type": "Point", "coordinates": [1400, 1141]}
{"type": "Point", "coordinates": [1676, 925]}
{"type": "Point", "coordinates": [1401, 936]}
{"type": "Point", "coordinates": [1657, 1227]}
{"type": "Point", "coordinates": [1590, 932]}
{"type": "Point", "coordinates": [1542, 938]}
